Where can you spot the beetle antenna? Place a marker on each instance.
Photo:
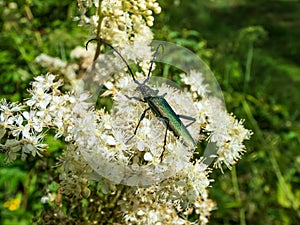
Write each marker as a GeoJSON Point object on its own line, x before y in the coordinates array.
{"type": "Point", "coordinates": [116, 51]}
{"type": "Point", "coordinates": [152, 61]}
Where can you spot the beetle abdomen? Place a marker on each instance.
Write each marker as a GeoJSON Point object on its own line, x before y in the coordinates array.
{"type": "Point", "coordinates": [161, 108]}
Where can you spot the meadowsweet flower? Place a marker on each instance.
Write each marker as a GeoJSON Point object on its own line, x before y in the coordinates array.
{"type": "Point", "coordinates": [39, 98]}
{"type": "Point", "coordinates": [197, 83]}
{"type": "Point", "coordinates": [46, 108]}
{"type": "Point", "coordinates": [121, 22]}
{"type": "Point", "coordinates": [73, 178]}
{"type": "Point", "coordinates": [224, 130]}
{"type": "Point", "coordinates": [50, 62]}
{"type": "Point", "coordinates": [101, 145]}
{"type": "Point", "coordinates": [203, 207]}
{"type": "Point", "coordinates": [167, 203]}
{"type": "Point", "coordinates": [127, 114]}
{"type": "Point", "coordinates": [84, 55]}
{"type": "Point", "coordinates": [72, 71]}
{"type": "Point", "coordinates": [147, 209]}
{"type": "Point", "coordinates": [33, 145]}
{"type": "Point", "coordinates": [7, 110]}
{"type": "Point", "coordinates": [32, 122]}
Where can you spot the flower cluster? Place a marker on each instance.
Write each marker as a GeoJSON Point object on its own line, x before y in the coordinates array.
{"type": "Point", "coordinates": [224, 130]}
{"type": "Point", "coordinates": [47, 108]}
{"type": "Point", "coordinates": [96, 142]}
{"type": "Point", "coordinates": [173, 201]}
{"type": "Point", "coordinates": [25, 124]}
{"type": "Point", "coordinates": [105, 149]}
{"type": "Point", "coordinates": [166, 183]}
{"type": "Point", "coordinates": [120, 22]}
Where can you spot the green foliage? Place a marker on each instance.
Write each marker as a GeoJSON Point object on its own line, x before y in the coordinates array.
{"type": "Point", "coordinates": [29, 29]}
{"type": "Point", "coordinates": [253, 49]}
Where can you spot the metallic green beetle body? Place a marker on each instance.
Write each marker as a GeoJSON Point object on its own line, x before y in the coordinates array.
{"type": "Point", "coordinates": [162, 109]}
{"type": "Point", "coordinates": [158, 105]}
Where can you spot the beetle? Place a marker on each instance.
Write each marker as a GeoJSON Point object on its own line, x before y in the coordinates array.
{"type": "Point", "coordinates": [157, 104]}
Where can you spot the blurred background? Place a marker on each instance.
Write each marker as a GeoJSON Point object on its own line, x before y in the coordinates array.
{"type": "Point", "coordinates": [252, 47]}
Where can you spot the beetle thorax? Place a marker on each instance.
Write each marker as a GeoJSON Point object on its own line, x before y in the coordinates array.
{"type": "Point", "coordinates": [146, 91]}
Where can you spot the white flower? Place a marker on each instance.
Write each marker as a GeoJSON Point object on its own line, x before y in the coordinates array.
{"type": "Point", "coordinates": [122, 22]}
{"type": "Point", "coordinates": [7, 111]}
{"type": "Point", "coordinates": [33, 122]}
{"type": "Point", "coordinates": [197, 82]}
{"type": "Point", "coordinates": [148, 156]}
{"type": "Point", "coordinates": [50, 62]}
{"type": "Point", "coordinates": [224, 130]}
{"type": "Point", "coordinates": [33, 145]}
{"type": "Point", "coordinates": [39, 98]}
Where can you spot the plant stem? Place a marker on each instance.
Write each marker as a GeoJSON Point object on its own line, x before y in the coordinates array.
{"type": "Point", "coordinates": [262, 138]}
{"type": "Point", "coordinates": [237, 195]}
{"type": "Point", "coordinates": [98, 32]}
{"type": "Point", "coordinates": [248, 66]}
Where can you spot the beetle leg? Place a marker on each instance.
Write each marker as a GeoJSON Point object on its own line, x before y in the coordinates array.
{"type": "Point", "coordinates": [141, 118]}
{"type": "Point", "coordinates": [163, 95]}
{"type": "Point", "coordinates": [135, 98]}
{"type": "Point", "coordinates": [167, 121]}
{"type": "Point", "coordinates": [188, 118]}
